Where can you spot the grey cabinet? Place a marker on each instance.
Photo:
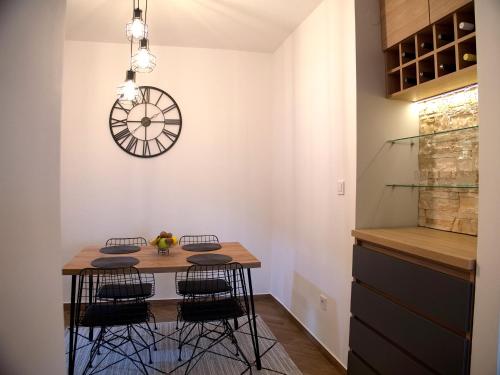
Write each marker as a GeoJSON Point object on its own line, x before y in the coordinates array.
{"type": "Point", "coordinates": [407, 318]}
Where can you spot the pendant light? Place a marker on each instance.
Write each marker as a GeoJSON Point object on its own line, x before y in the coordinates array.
{"type": "Point", "coordinates": [143, 60]}
{"type": "Point", "coordinates": [136, 28]}
{"type": "Point", "coordinates": [128, 92]}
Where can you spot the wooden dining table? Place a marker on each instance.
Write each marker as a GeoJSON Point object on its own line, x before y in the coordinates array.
{"type": "Point", "coordinates": [152, 262]}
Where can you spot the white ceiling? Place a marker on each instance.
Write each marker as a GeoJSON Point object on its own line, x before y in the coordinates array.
{"type": "Point", "coordinates": [250, 25]}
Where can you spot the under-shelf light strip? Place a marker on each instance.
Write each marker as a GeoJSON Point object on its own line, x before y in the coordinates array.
{"type": "Point", "coordinates": [453, 98]}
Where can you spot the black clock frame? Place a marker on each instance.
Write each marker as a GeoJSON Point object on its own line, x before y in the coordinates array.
{"type": "Point", "coordinates": [117, 104]}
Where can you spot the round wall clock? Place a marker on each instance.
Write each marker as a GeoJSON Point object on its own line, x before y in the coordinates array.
{"type": "Point", "coordinates": [149, 127]}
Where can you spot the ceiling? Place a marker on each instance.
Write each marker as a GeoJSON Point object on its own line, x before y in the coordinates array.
{"type": "Point", "coordinates": [249, 25]}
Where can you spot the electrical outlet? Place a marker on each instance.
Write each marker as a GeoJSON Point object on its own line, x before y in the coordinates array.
{"type": "Point", "coordinates": [340, 187]}
{"type": "Point", "coordinates": [323, 302]}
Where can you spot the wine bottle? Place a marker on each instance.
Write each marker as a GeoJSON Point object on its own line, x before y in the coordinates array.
{"type": "Point", "coordinates": [408, 55]}
{"type": "Point", "coordinates": [466, 26]}
{"type": "Point", "coordinates": [410, 80]}
{"type": "Point", "coordinates": [427, 75]}
{"type": "Point", "coordinates": [447, 67]}
{"type": "Point", "coordinates": [445, 37]}
{"type": "Point", "coordinates": [470, 57]}
{"type": "Point", "coordinates": [426, 45]}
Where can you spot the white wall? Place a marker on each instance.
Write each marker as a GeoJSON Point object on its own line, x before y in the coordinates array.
{"type": "Point", "coordinates": [31, 329]}
{"type": "Point", "coordinates": [485, 342]}
{"type": "Point", "coordinates": [216, 179]}
{"type": "Point", "coordinates": [314, 130]}
{"type": "Point", "coordinates": [378, 120]}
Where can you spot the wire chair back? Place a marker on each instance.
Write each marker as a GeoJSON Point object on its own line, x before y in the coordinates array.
{"type": "Point", "coordinates": [111, 297]}
{"type": "Point", "coordinates": [148, 279]}
{"type": "Point", "coordinates": [138, 241]}
{"type": "Point", "coordinates": [198, 238]}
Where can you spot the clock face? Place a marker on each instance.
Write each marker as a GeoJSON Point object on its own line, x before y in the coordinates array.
{"type": "Point", "coordinates": [148, 127]}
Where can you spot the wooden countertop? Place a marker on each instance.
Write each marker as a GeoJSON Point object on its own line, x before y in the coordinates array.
{"type": "Point", "coordinates": [452, 249]}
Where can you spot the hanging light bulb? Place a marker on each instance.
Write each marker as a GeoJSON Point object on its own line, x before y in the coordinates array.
{"type": "Point", "coordinates": [136, 28]}
{"type": "Point", "coordinates": [128, 91]}
{"type": "Point", "coordinates": [143, 60]}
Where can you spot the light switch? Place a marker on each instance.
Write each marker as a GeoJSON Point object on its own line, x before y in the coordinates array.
{"type": "Point", "coordinates": [340, 187]}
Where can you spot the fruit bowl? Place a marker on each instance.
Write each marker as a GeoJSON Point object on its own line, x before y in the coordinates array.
{"type": "Point", "coordinates": [163, 251]}
{"type": "Point", "coordinates": [163, 242]}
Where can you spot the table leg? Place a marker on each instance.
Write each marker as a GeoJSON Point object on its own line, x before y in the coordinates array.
{"type": "Point", "coordinates": [254, 322]}
{"type": "Point", "coordinates": [91, 329]}
{"type": "Point", "coordinates": [72, 350]}
{"type": "Point", "coordinates": [235, 286]}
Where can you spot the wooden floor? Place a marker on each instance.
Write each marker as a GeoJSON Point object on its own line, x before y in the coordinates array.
{"type": "Point", "coordinates": [301, 347]}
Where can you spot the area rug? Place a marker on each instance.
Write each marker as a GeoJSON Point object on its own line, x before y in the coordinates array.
{"type": "Point", "coordinates": [275, 360]}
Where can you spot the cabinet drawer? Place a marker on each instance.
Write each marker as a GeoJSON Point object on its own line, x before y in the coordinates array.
{"type": "Point", "coordinates": [384, 357]}
{"type": "Point", "coordinates": [440, 349]}
{"type": "Point", "coordinates": [356, 366]}
{"type": "Point", "coordinates": [441, 297]}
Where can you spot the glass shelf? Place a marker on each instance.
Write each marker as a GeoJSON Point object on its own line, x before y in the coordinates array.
{"type": "Point", "coordinates": [392, 141]}
{"type": "Point", "coordinates": [433, 186]}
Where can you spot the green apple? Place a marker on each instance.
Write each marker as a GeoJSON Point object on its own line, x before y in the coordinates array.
{"type": "Point", "coordinates": [162, 243]}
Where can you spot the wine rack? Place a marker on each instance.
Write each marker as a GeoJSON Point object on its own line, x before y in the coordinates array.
{"type": "Point", "coordinates": [431, 61]}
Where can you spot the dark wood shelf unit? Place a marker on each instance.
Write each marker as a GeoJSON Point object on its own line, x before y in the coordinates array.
{"type": "Point", "coordinates": [468, 46]}
{"type": "Point", "coordinates": [466, 14]}
{"type": "Point", "coordinates": [426, 69]}
{"type": "Point", "coordinates": [426, 64]}
{"type": "Point", "coordinates": [410, 76]}
{"type": "Point", "coordinates": [425, 41]}
{"type": "Point", "coordinates": [394, 81]}
{"type": "Point", "coordinates": [445, 33]}
{"type": "Point", "coordinates": [446, 61]}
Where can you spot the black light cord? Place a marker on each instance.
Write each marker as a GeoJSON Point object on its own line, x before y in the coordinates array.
{"type": "Point", "coordinates": [131, 43]}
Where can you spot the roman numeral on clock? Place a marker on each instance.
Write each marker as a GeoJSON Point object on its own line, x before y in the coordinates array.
{"type": "Point", "coordinates": [132, 145]}
{"type": "Point", "coordinates": [145, 148]}
{"type": "Point", "coordinates": [168, 109]}
{"type": "Point", "coordinates": [117, 123]}
{"type": "Point", "coordinates": [160, 145]}
{"type": "Point", "coordinates": [159, 97]}
{"type": "Point", "coordinates": [169, 121]}
{"type": "Point", "coordinates": [122, 136]}
{"type": "Point", "coordinates": [119, 106]}
{"type": "Point", "coordinates": [146, 94]}
{"type": "Point", "coordinates": [169, 134]}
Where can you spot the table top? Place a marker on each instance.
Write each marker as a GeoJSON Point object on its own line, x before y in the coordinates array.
{"type": "Point", "coordinates": [151, 261]}
{"type": "Point", "coordinates": [452, 249]}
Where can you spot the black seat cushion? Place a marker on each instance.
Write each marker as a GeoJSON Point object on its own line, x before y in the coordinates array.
{"type": "Point", "coordinates": [124, 291]}
{"type": "Point", "coordinates": [203, 286]}
{"type": "Point", "coordinates": [108, 314]}
{"type": "Point", "coordinates": [210, 310]}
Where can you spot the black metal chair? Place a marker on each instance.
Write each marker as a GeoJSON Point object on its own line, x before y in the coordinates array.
{"type": "Point", "coordinates": [212, 294]}
{"type": "Point", "coordinates": [212, 286]}
{"type": "Point", "coordinates": [106, 299]}
{"type": "Point", "coordinates": [148, 279]}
